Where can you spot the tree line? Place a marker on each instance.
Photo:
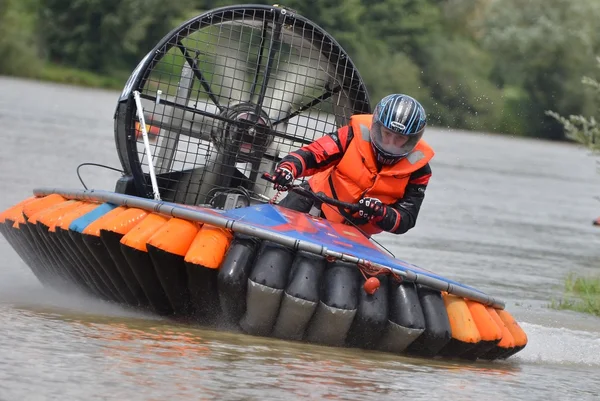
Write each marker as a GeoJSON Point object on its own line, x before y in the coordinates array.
{"type": "Point", "coordinates": [489, 65]}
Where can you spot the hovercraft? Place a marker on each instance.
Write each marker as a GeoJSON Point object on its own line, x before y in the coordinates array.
{"type": "Point", "coordinates": [193, 231]}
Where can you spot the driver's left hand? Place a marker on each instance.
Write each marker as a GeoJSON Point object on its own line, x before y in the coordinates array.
{"type": "Point", "coordinates": [372, 209]}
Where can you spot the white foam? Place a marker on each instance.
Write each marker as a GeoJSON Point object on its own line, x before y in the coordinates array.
{"type": "Point", "coordinates": [21, 289]}
{"type": "Point", "coordinates": [560, 345]}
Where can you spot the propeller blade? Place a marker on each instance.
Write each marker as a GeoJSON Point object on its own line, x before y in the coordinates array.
{"type": "Point", "coordinates": [294, 82]}
{"type": "Point", "coordinates": [231, 55]}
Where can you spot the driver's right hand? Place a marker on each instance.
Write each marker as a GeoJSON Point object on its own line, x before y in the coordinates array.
{"type": "Point", "coordinates": [282, 178]}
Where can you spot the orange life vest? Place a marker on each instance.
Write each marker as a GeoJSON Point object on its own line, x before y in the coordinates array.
{"type": "Point", "coordinates": [356, 175]}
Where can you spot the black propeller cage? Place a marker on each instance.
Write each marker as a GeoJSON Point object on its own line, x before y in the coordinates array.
{"type": "Point", "coordinates": [227, 94]}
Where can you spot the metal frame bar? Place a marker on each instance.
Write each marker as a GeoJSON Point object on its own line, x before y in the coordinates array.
{"type": "Point", "coordinates": [198, 74]}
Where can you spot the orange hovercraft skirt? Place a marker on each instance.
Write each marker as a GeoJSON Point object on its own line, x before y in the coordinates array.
{"type": "Point", "coordinates": [212, 276]}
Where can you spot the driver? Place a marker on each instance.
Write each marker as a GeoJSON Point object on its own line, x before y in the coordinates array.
{"type": "Point", "coordinates": [378, 161]}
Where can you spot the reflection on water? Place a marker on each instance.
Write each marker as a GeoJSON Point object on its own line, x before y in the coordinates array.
{"type": "Point", "coordinates": [158, 357]}
{"type": "Point", "coordinates": [509, 216]}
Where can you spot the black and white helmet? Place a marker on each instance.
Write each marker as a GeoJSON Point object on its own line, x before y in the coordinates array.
{"type": "Point", "coordinates": [398, 124]}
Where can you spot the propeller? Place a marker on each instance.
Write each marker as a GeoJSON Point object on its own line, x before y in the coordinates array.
{"type": "Point", "coordinates": [240, 92]}
{"type": "Point", "coordinates": [238, 72]}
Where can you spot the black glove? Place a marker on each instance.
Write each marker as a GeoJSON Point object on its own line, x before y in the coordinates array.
{"type": "Point", "coordinates": [372, 209]}
{"type": "Point", "coordinates": [283, 178]}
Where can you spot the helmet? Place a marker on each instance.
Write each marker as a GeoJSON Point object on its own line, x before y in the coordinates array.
{"type": "Point", "coordinates": [398, 124]}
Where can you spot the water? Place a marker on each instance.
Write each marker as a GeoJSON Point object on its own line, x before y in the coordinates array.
{"type": "Point", "coordinates": [507, 215]}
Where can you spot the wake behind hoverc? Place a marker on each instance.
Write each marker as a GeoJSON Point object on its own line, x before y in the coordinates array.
{"type": "Point", "coordinates": [193, 230]}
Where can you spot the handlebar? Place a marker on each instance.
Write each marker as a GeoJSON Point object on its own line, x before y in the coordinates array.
{"type": "Point", "coordinates": [319, 196]}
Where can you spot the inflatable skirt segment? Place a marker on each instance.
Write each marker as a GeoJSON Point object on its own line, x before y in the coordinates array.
{"type": "Point", "coordinates": [214, 276]}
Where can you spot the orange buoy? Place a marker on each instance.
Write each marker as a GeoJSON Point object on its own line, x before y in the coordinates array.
{"type": "Point", "coordinates": [371, 285]}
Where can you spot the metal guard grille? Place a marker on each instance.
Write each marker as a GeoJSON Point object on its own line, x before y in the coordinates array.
{"type": "Point", "coordinates": [227, 94]}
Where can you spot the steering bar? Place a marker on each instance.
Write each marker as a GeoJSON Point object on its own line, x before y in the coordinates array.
{"type": "Point", "coordinates": [320, 196]}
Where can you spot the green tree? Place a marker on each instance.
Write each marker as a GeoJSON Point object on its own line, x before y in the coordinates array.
{"type": "Point", "coordinates": [386, 73]}
{"type": "Point", "coordinates": [104, 35]}
{"type": "Point", "coordinates": [406, 26]}
{"type": "Point", "coordinates": [585, 130]}
{"type": "Point", "coordinates": [340, 18]}
{"type": "Point", "coordinates": [18, 45]}
{"type": "Point", "coordinates": [543, 46]}
{"type": "Point", "coordinates": [493, 65]}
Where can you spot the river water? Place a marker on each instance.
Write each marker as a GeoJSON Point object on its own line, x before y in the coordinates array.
{"type": "Point", "coordinates": [510, 216]}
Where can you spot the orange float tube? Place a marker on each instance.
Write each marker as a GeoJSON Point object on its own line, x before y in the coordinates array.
{"type": "Point", "coordinates": [465, 334]}
{"type": "Point", "coordinates": [515, 330]}
{"type": "Point", "coordinates": [54, 215]}
{"type": "Point", "coordinates": [10, 221]}
{"type": "Point", "coordinates": [72, 255]}
{"type": "Point", "coordinates": [203, 261]}
{"type": "Point", "coordinates": [99, 252]}
{"type": "Point", "coordinates": [124, 222]}
{"type": "Point", "coordinates": [94, 227]}
{"type": "Point", "coordinates": [31, 213]}
{"type": "Point", "coordinates": [12, 217]}
{"type": "Point", "coordinates": [41, 203]}
{"type": "Point", "coordinates": [83, 209]}
{"type": "Point", "coordinates": [138, 236]}
{"type": "Point", "coordinates": [43, 247]}
{"type": "Point", "coordinates": [134, 248]}
{"type": "Point", "coordinates": [12, 213]}
{"type": "Point", "coordinates": [45, 222]}
{"type": "Point", "coordinates": [506, 344]}
{"type": "Point", "coordinates": [490, 332]}
{"type": "Point", "coordinates": [209, 247]}
{"type": "Point", "coordinates": [111, 231]}
{"type": "Point", "coordinates": [55, 211]}
{"type": "Point", "coordinates": [174, 237]}
{"type": "Point", "coordinates": [80, 220]}
{"type": "Point", "coordinates": [167, 249]}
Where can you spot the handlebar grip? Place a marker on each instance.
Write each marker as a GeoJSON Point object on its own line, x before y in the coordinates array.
{"type": "Point", "coordinates": [268, 177]}
{"type": "Point", "coordinates": [352, 207]}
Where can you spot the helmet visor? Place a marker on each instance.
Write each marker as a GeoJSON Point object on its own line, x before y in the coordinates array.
{"type": "Point", "coordinates": [392, 143]}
